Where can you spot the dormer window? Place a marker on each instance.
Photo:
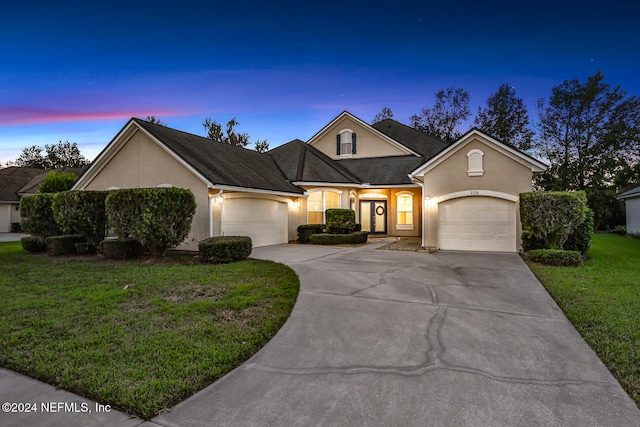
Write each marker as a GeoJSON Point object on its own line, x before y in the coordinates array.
{"type": "Point", "coordinates": [474, 160]}
{"type": "Point", "coordinates": [346, 143]}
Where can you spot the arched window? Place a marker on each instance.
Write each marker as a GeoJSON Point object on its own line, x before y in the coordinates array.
{"type": "Point", "coordinates": [404, 206]}
{"type": "Point", "coordinates": [318, 202]}
{"type": "Point", "coordinates": [474, 160]}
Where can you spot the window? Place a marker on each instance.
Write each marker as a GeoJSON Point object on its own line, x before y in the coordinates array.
{"type": "Point", "coordinates": [346, 143]}
{"type": "Point", "coordinates": [405, 211]}
{"type": "Point", "coordinates": [318, 202]}
{"type": "Point", "coordinates": [474, 159]}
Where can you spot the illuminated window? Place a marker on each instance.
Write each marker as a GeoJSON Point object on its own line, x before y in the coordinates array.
{"type": "Point", "coordinates": [405, 211]}
{"type": "Point", "coordinates": [318, 202]}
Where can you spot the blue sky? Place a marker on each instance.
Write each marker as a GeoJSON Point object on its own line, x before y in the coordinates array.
{"type": "Point", "coordinates": [79, 71]}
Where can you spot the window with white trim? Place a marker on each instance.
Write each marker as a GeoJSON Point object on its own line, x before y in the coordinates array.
{"type": "Point", "coordinates": [346, 143]}
{"type": "Point", "coordinates": [404, 211]}
{"type": "Point", "coordinates": [318, 202]}
{"type": "Point", "coordinates": [474, 163]}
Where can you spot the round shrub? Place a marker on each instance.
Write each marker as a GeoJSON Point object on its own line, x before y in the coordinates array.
{"type": "Point", "coordinates": [81, 212]}
{"type": "Point", "coordinates": [556, 257]}
{"type": "Point", "coordinates": [37, 215]}
{"type": "Point", "coordinates": [121, 249]}
{"type": "Point", "coordinates": [225, 249]}
{"type": "Point", "coordinates": [341, 221]}
{"type": "Point", "coordinates": [33, 244]}
{"type": "Point", "coordinates": [306, 230]}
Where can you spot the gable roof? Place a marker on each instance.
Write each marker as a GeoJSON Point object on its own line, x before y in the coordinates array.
{"type": "Point", "coordinates": [634, 192]}
{"type": "Point", "coordinates": [12, 179]}
{"type": "Point", "coordinates": [345, 114]}
{"type": "Point", "coordinates": [216, 164]}
{"type": "Point", "coordinates": [419, 142]}
{"type": "Point", "coordinates": [301, 162]}
{"type": "Point", "coordinates": [535, 165]}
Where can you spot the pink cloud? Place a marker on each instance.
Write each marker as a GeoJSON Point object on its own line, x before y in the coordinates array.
{"type": "Point", "coordinates": [26, 115]}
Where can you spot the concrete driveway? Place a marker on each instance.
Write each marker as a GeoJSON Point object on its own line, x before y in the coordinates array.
{"type": "Point", "coordinates": [382, 338]}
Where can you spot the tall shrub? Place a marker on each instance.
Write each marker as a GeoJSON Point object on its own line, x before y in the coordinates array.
{"type": "Point", "coordinates": [341, 221]}
{"type": "Point", "coordinates": [549, 218]}
{"type": "Point", "coordinates": [82, 212]}
{"type": "Point", "coordinates": [55, 182]}
{"type": "Point", "coordinates": [36, 215]}
{"type": "Point", "coordinates": [580, 239]}
{"type": "Point", "coordinates": [159, 218]}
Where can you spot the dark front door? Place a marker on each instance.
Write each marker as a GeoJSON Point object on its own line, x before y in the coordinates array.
{"type": "Point", "coordinates": [373, 216]}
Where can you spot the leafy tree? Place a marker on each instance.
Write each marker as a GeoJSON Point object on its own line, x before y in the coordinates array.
{"type": "Point", "coordinates": [56, 182]}
{"type": "Point", "coordinates": [450, 109]}
{"type": "Point", "coordinates": [56, 156]}
{"type": "Point", "coordinates": [261, 146]}
{"type": "Point", "coordinates": [506, 118]}
{"type": "Point", "coordinates": [386, 113]}
{"type": "Point", "coordinates": [215, 133]}
{"type": "Point", "coordinates": [155, 121]}
{"type": "Point", "coordinates": [589, 135]}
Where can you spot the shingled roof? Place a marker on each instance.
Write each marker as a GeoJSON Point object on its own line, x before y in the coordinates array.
{"type": "Point", "coordinates": [222, 164]}
{"type": "Point", "coordinates": [12, 179]}
{"type": "Point", "coordinates": [301, 162]}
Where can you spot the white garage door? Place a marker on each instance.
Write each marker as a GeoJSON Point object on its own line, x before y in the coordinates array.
{"type": "Point", "coordinates": [477, 224]}
{"type": "Point", "coordinates": [265, 221]}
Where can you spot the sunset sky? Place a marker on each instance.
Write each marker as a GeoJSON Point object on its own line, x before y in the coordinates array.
{"type": "Point", "coordinates": [78, 71]}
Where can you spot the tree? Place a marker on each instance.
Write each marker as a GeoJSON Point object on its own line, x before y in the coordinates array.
{"type": "Point", "coordinates": [386, 113]}
{"type": "Point", "coordinates": [506, 118]}
{"type": "Point", "coordinates": [155, 121]}
{"type": "Point", "coordinates": [56, 182]}
{"type": "Point", "coordinates": [215, 133]}
{"type": "Point", "coordinates": [589, 135]}
{"type": "Point", "coordinates": [56, 156]}
{"type": "Point", "coordinates": [261, 146]}
{"type": "Point", "coordinates": [450, 109]}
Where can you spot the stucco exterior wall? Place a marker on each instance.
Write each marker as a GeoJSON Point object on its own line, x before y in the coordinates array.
{"type": "Point", "coordinates": [633, 215]}
{"type": "Point", "coordinates": [502, 174]}
{"type": "Point", "coordinates": [141, 163]}
{"type": "Point", "coordinates": [368, 144]}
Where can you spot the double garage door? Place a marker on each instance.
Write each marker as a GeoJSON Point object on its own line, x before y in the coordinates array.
{"type": "Point", "coordinates": [265, 221]}
{"type": "Point", "coordinates": [477, 224]}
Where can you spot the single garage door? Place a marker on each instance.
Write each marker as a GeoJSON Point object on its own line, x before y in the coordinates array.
{"type": "Point", "coordinates": [265, 221]}
{"type": "Point", "coordinates": [477, 224]}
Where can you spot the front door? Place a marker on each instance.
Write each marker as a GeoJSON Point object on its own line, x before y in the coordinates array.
{"type": "Point", "coordinates": [373, 216]}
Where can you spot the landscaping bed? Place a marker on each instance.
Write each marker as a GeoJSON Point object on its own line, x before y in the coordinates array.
{"type": "Point", "coordinates": [602, 300]}
{"type": "Point", "coordinates": [138, 335]}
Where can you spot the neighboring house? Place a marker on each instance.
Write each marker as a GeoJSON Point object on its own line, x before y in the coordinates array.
{"type": "Point", "coordinates": [399, 181]}
{"type": "Point", "coordinates": [632, 202]}
{"type": "Point", "coordinates": [15, 182]}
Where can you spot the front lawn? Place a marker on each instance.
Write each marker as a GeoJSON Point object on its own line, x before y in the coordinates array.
{"type": "Point", "coordinates": [139, 336]}
{"type": "Point", "coordinates": [602, 300]}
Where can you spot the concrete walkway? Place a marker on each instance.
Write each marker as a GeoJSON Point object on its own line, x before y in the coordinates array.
{"type": "Point", "coordinates": [380, 338]}
{"type": "Point", "coordinates": [387, 338]}
{"type": "Point", "coordinates": [12, 237]}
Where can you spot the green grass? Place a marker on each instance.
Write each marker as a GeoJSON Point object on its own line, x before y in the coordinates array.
{"type": "Point", "coordinates": [140, 336]}
{"type": "Point", "coordinates": [602, 300]}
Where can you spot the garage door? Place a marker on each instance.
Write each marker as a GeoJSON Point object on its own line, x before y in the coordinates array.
{"type": "Point", "coordinates": [477, 224]}
{"type": "Point", "coordinates": [265, 221]}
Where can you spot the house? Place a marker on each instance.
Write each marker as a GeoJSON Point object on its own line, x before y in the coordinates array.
{"type": "Point", "coordinates": [400, 182]}
{"type": "Point", "coordinates": [632, 202]}
{"type": "Point", "coordinates": [15, 182]}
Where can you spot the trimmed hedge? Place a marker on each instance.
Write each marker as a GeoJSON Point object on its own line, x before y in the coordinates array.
{"type": "Point", "coordinates": [121, 249]}
{"type": "Point", "coordinates": [37, 215]}
{"type": "Point", "coordinates": [63, 245]}
{"type": "Point", "coordinates": [82, 212]}
{"type": "Point", "coordinates": [341, 221]}
{"type": "Point", "coordinates": [556, 257]}
{"type": "Point", "coordinates": [549, 218]}
{"type": "Point", "coordinates": [580, 239]}
{"type": "Point", "coordinates": [158, 218]}
{"type": "Point", "coordinates": [339, 239]}
{"type": "Point", "coordinates": [224, 249]}
{"type": "Point", "coordinates": [306, 230]}
{"type": "Point", "coordinates": [33, 244]}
